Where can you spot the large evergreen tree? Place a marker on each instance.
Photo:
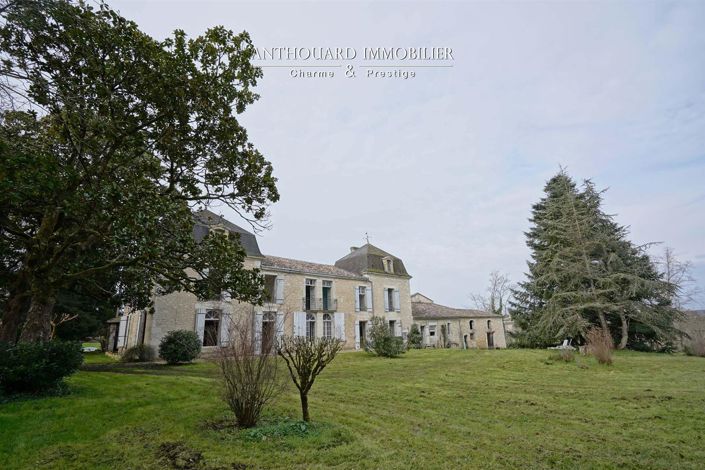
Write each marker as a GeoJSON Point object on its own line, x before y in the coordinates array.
{"type": "Point", "coordinates": [108, 140]}
{"type": "Point", "coordinates": [584, 272]}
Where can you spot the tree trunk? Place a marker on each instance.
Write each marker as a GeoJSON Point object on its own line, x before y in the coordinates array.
{"type": "Point", "coordinates": [12, 318]}
{"type": "Point", "coordinates": [38, 325]}
{"type": "Point", "coordinates": [625, 331]}
{"type": "Point", "coordinates": [304, 406]}
{"type": "Point", "coordinates": [603, 321]}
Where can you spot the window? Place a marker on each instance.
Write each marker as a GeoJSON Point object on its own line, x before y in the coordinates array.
{"type": "Point", "coordinates": [472, 324]}
{"type": "Point", "coordinates": [327, 300]}
{"type": "Point", "coordinates": [362, 297]}
{"type": "Point", "coordinates": [390, 300]}
{"type": "Point", "coordinates": [268, 331]}
{"type": "Point", "coordinates": [388, 265]}
{"type": "Point", "coordinates": [431, 330]}
{"type": "Point", "coordinates": [472, 335]}
{"type": "Point", "coordinates": [448, 329]}
{"type": "Point", "coordinates": [310, 326]}
{"type": "Point", "coordinates": [211, 328]}
{"type": "Point", "coordinates": [310, 298]}
{"type": "Point", "coordinates": [392, 327]}
{"type": "Point", "coordinates": [327, 325]}
{"type": "Point", "coordinates": [269, 287]}
{"type": "Point", "coordinates": [489, 324]}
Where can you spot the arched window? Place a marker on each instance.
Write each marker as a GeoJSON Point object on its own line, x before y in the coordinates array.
{"type": "Point", "coordinates": [472, 324]}
{"type": "Point", "coordinates": [489, 324]}
{"type": "Point", "coordinates": [327, 325]}
{"type": "Point", "coordinates": [310, 325]}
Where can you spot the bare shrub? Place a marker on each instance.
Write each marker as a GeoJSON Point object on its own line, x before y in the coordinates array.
{"type": "Point", "coordinates": [565, 355]}
{"type": "Point", "coordinates": [306, 358]}
{"type": "Point", "coordinates": [696, 345]}
{"type": "Point", "coordinates": [250, 380]}
{"type": "Point", "coordinates": [600, 345]}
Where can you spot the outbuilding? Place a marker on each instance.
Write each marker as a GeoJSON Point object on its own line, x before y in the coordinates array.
{"type": "Point", "coordinates": [448, 327]}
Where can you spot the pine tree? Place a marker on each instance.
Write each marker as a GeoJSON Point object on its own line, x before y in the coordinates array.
{"type": "Point", "coordinates": [531, 296]}
{"type": "Point", "coordinates": [585, 272]}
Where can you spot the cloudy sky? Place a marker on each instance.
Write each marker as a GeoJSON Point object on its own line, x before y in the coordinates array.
{"type": "Point", "coordinates": [442, 169]}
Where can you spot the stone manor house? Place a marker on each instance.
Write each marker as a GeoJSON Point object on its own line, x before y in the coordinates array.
{"type": "Point", "coordinates": [308, 299]}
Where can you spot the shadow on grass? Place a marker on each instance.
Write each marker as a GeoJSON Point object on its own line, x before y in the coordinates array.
{"type": "Point", "coordinates": [153, 368]}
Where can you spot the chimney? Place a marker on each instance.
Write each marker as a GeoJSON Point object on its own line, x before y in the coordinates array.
{"type": "Point", "coordinates": [353, 249]}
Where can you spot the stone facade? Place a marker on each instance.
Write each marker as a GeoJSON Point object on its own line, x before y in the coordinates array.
{"type": "Point", "coordinates": [304, 298]}
{"type": "Point", "coordinates": [449, 327]}
{"type": "Point", "coordinates": [311, 299]}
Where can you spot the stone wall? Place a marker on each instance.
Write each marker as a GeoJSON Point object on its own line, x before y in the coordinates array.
{"type": "Point", "coordinates": [460, 329]}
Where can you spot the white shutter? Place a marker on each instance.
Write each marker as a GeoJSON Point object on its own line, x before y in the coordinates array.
{"type": "Point", "coordinates": [370, 302]}
{"type": "Point", "coordinates": [226, 325]}
{"type": "Point", "coordinates": [340, 325]}
{"type": "Point", "coordinates": [398, 328]}
{"type": "Point", "coordinates": [279, 290]}
{"type": "Point", "coordinates": [397, 305]}
{"type": "Point", "coordinates": [297, 326]}
{"type": "Point", "coordinates": [357, 334]}
{"type": "Point", "coordinates": [122, 331]}
{"type": "Point", "coordinates": [258, 332]}
{"type": "Point", "coordinates": [357, 299]}
{"type": "Point", "coordinates": [299, 323]}
{"type": "Point", "coordinates": [386, 300]}
{"type": "Point", "coordinates": [200, 322]}
{"type": "Point", "coordinates": [280, 325]}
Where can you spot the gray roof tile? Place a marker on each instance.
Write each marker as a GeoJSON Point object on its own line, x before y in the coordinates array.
{"type": "Point", "coordinates": [307, 267]}
{"type": "Point", "coordinates": [206, 218]}
{"type": "Point", "coordinates": [432, 311]}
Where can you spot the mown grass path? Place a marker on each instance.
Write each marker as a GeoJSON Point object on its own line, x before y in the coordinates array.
{"type": "Point", "coordinates": [428, 409]}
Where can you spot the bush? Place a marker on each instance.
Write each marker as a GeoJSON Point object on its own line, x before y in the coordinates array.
{"type": "Point", "coordinates": [180, 346]}
{"type": "Point", "coordinates": [600, 345]}
{"type": "Point", "coordinates": [381, 341]}
{"type": "Point", "coordinates": [37, 367]}
{"type": "Point", "coordinates": [250, 380]}
{"type": "Point", "coordinates": [565, 355]}
{"type": "Point", "coordinates": [696, 345]}
{"type": "Point", "coordinates": [139, 353]}
{"type": "Point", "coordinates": [414, 339]}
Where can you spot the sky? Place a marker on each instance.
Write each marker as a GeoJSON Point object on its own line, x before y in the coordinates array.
{"type": "Point", "coordinates": [441, 170]}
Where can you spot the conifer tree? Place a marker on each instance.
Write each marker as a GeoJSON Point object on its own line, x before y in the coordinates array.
{"type": "Point", "coordinates": [584, 272]}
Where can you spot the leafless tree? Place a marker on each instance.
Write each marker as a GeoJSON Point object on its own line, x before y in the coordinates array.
{"type": "Point", "coordinates": [306, 358]}
{"type": "Point", "coordinates": [250, 380]}
{"type": "Point", "coordinates": [679, 274]}
{"type": "Point", "coordinates": [496, 296]}
{"type": "Point", "coordinates": [57, 319]}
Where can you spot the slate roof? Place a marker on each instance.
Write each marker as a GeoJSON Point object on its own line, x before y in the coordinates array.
{"type": "Point", "coordinates": [368, 259]}
{"type": "Point", "coordinates": [206, 218]}
{"type": "Point", "coordinates": [306, 267]}
{"type": "Point", "coordinates": [433, 311]}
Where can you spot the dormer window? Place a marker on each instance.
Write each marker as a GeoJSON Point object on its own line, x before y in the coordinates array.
{"type": "Point", "coordinates": [220, 230]}
{"type": "Point", "coordinates": [388, 265]}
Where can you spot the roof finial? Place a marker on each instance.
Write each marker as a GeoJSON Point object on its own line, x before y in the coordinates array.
{"type": "Point", "coordinates": [367, 237]}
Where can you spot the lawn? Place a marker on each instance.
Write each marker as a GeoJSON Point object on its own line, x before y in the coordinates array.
{"type": "Point", "coordinates": [428, 409]}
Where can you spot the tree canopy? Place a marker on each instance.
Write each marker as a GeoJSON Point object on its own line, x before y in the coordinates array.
{"type": "Point", "coordinates": [109, 139]}
{"type": "Point", "coordinates": [585, 272]}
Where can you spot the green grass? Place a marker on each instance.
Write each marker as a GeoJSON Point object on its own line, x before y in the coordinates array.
{"type": "Point", "coordinates": [428, 409]}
